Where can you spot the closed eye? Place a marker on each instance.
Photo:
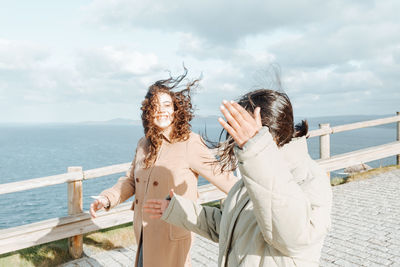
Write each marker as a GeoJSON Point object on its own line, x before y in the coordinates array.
{"type": "Point", "coordinates": [167, 104]}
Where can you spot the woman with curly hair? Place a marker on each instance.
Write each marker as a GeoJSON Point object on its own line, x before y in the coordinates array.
{"type": "Point", "coordinates": [169, 156]}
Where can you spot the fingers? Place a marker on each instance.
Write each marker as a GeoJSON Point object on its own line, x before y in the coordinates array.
{"type": "Point", "coordinates": [227, 127]}
{"type": "Point", "coordinates": [91, 211]}
{"type": "Point", "coordinates": [239, 118]}
{"type": "Point", "coordinates": [240, 124]}
{"type": "Point", "coordinates": [157, 206]}
{"type": "Point", "coordinates": [152, 204]}
{"type": "Point", "coordinates": [153, 201]}
{"type": "Point", "coordinates": [99, 205]}
{"type": "Point", "coordinates": [232, 115]}
{"type": "Point", "coordinates": [243, 113]}
{"type": "Point", "coordinates": [94, 207]}
{"type": "Point", "coordinates": [153, 211]}
{"type": "Point", "coordinates": [257, 116]}
{"type": "Point", "coordinates": [231, 131]}
{"type": "Point", "coordinates": [252, 119]}
{"type": "Point", "coordinates": [228, 114]}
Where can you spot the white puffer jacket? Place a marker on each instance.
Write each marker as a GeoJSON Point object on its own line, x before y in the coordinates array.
{"type": "Point", "coordinates": [277, 215]}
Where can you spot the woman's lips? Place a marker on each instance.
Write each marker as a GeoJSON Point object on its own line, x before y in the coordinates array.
{"type": "Point", "coordinates": [160, 117]}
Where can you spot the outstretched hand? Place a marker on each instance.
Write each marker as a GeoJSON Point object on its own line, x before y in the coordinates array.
{"type": "Point", "coordinates": [157, 206]}
{"type": "Point", "coordinates": [98, 204]}
{"type": "Point", "coordinates": [240, 124]}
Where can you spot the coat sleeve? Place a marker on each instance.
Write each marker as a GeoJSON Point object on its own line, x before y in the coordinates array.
{"type": "Point", "coordinates": [282, 209]}
{"type": "Point", "coordinates": [187, 214]}
{"type": "Point", "coordinates": [124, 188]}
{"type": "Point", "coordinates": [203, 162]}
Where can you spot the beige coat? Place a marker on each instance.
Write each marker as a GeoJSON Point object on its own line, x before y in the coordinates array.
{"type": "Point", "coordinates": [178, 166]}
{"type": "Point", "coordinates": [277, 215]}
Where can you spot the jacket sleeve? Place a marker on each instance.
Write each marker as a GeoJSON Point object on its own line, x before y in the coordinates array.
{"type": "Point", "coordinates": [203, 162]}
{"type": "Point", "coordinates": [282, 209]}
{"type": "Point", "coordinates": [187, 214]}
{"type": "Point", "coordinates": [123, 189]}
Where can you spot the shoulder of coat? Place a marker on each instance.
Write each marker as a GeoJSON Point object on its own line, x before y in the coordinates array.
{"type": "Point", "coordinates": [194, 135]}
{"type": "Point", "coordinates": [192, 139]}
{"type": "Point", "coordinates": [142, 142]}
{"type": "Point", "coordinates": [195, 138]}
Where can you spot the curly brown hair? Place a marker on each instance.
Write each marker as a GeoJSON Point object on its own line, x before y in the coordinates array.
{"type": "Point", "coordinates": [183, 114]}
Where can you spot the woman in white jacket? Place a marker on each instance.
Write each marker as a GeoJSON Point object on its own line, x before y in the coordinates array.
{"type": "Point", "coordinates": [278, 214]}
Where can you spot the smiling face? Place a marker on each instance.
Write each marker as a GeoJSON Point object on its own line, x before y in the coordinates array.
{"type": "Point", "coordinates": [164, 115]}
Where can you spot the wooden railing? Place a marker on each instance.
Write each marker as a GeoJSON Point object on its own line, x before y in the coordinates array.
{"type": "Point", "coordinates": [78, 222]}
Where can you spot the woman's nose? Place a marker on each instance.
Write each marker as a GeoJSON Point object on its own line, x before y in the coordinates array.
{"type": "Point", "coordinates": [162, 109]}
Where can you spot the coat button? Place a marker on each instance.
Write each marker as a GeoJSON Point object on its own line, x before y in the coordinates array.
{"type": "Point", "coordinates": [155, 183]}
{"type": "Point", "coordinates": [137, 180]}
{"type": "Point", "coordinates": [137, 201]}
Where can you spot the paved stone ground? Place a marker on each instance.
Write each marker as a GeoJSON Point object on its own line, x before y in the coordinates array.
{"type": "Point", "coordinates": [365, 230]}
{"type": "Point", "coordinates": [366, 223]}
{"type": "Point", "coordinates": [204, 254]}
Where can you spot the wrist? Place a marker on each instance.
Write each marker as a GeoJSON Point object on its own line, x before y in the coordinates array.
{"type": "Point", "coordinates": [105, 201]}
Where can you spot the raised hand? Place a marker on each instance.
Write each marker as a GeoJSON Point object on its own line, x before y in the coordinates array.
{"type": "Point", "coordinates": [157, 206]}
{"type": "Point", "coordinates": [240, 124]}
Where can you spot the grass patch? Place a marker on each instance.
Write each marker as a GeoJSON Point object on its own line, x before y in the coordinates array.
{"type": "Point", "coordinates": [50, 254]}
{"type": "Point", "coordinates": [110, 238]}
{"type": "Point", "coordinates": [215, 204]}
{"type": "Point", "coordinates": [56, 253]}
{"type": "Point", "coordinates": [363, 175]}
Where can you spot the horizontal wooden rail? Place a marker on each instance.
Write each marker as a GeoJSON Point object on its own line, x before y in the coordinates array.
{"type": "Point", "coordinates": [62, 178]}
{"type": "Point", "coordinates": [20, 237]}
{"type": "Point", "coordinates": [353, 126]}
{"type": "Point", "coordinates": [99, 172]}
{"type": "Point", "coordinates": [360, 156]}
{"type": "Point", "coordinates": [209, 193]}
{"type": "Point", "coordinates": [40, 182]}
{"type": "Point", "coordinates": [33, 234]}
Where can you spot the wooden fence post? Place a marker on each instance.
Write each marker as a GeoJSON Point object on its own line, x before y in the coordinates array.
{"type": "Point", "coordinates": [75, 243]}
{"type": "Point", "coordinates": [324, 144]}
{"type": "Point", "coordinates": [398, 137]}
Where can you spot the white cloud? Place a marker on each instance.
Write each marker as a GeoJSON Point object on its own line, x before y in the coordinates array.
{"type": "Point", "coordinates": [34, 77]}
{"type": "Point", "coordinates": [21, 55]}
{"type": "Point", "coordinates": [112, 61]}
{"type": "Point", "coordinates": [227, 22]}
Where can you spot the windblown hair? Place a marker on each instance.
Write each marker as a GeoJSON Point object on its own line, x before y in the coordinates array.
{"type": "Point", "coordinates": [276, 113]}
{"type": "Point", "coordinates": [183, 114]}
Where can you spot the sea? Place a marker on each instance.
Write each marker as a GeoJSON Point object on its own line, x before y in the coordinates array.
{"type": "Point", "coordinates": [30, 151]}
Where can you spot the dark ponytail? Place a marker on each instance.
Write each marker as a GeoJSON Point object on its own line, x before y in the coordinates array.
{"type": "Point", "coordinates": [301, 129]}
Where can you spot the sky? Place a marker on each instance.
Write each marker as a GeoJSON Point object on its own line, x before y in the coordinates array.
{"type": "Point", "coordinates": [72, 61]}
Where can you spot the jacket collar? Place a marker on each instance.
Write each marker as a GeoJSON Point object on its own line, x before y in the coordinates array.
{"type": "Point", "coordinates": [296, 154]}
{"type": "Point", "coordinates": [166, 138]}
